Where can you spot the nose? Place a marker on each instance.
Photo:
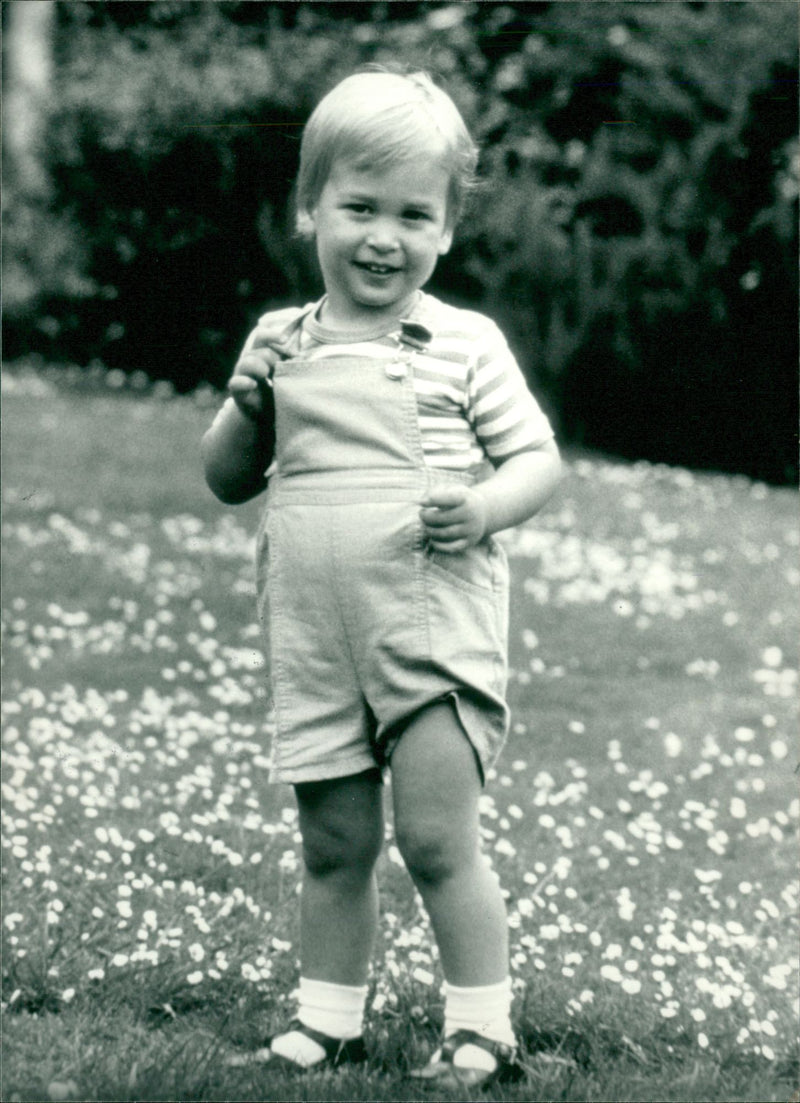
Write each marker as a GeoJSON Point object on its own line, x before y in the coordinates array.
{"type": "Point", "coordinates": [383, 238]}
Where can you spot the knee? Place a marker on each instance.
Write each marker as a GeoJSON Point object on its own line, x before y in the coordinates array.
{"type": "Point", "coordinates": [328, 854]}
{"type": "Point", "coordinates": [431, 853]}
{"type": "Point", "coordinates": [341, 822]}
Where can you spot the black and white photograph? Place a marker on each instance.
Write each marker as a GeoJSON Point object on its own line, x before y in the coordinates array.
{"type": "Point", "coordinates": [400, 551]}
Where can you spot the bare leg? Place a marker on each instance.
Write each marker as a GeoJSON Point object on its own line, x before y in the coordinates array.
{"type": "Point", "coordinates": [436, 787]}
{"type": "Point", "coordinates": [341, 822]}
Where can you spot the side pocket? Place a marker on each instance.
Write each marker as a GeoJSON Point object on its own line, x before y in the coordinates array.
{"type": "Point", "coordinates": [468, 622]}
{"type": "Point", "coordinates": [473, 570]}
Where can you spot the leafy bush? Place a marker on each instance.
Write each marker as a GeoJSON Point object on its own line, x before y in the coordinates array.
{"type": "Point", "coordinates": [635, 236]}
{"type": "Point", "coordinates": [663, 142]}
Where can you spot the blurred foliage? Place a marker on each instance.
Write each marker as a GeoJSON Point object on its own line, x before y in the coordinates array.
{"type": "Point", "coordinates": [635, 234]}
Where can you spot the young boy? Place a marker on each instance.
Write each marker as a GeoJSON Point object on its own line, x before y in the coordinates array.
{"type": "Point", "coordinates": [403, 438]}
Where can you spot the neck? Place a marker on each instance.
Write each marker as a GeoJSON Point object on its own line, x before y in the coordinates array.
{"type": "Point", "coordinates": [366, 319]}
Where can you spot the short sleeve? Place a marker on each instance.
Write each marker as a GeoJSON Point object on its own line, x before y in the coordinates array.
{"type": "Point", "coordinates": [276, 330]}
{"type": "Point", "coordinates": [504, 415]}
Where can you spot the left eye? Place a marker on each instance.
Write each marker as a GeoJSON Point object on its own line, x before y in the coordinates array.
{"type": "Point", "coordinates": [415, 216]}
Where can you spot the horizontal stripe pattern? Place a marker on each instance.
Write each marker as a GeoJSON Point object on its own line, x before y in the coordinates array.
{"type": "Point", "coordinates": [472, 398]}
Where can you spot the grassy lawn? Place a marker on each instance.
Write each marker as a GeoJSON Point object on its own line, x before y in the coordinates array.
{"type": "Point", "coordinates": [642, 818]}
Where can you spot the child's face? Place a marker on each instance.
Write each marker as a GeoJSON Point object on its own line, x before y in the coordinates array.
{"type": "Point", "coordinates": [379, 235]}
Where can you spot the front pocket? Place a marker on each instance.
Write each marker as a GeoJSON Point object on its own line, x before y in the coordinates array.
{"type": "Point", "coordinates": [467, 617]}
{"type": "Point", "coordinates": [472, 570]}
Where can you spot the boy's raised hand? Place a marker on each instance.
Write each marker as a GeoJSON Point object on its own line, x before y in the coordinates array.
{"type": "Point", "coordinates": [454, 517]}
{"type": "Point", "coordinates": [250, 386]}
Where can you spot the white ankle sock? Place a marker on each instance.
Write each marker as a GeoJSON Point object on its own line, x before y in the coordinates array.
{"type": "Point", "coordinates": [333, 1009]}
{"type": "Point", "coordinates": [485, 1009]}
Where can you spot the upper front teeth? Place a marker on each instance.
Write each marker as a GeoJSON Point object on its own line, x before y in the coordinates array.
{"type": "Point", "coordinates": [381, 268]}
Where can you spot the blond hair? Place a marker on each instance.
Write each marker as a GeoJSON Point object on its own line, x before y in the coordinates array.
{"type": "Point", "coordinates": [377, 118]}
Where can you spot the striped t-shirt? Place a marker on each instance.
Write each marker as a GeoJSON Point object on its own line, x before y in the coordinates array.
{"type": "Point", "coordinates": [472, 399]}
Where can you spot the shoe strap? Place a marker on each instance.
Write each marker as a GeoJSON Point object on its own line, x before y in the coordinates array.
{"type": "Point", "coordinates": [333, 1047]}
{"type": "Point", "coordinates": [502, 1053]}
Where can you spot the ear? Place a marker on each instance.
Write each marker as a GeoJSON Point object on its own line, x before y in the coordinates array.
{"type": "Point", "coordinates": [305, 223]}
{"type": "Point", "coordinates": [445, 241]}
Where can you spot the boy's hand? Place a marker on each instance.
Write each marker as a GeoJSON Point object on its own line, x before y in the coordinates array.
{"type": "Point", "coordinates": [454, 517]}
{"type": "Point", "coordinates": [250, 386]}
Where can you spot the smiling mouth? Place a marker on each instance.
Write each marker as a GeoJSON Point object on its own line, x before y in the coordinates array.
{"type": "Point", "coordinates": [376, 269]}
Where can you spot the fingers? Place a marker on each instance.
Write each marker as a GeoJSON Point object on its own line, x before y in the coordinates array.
{"type": "Point", "coordinates": [448, 530]}
{"type": "Point", "coordinates": [242, 384]}
{"type": "Point", "coordinates": [444, 531]}
{"type": "Point", "coordinates": [257, 365]}
{"type": "Point", "coordinates": [267, 335]}
{"type": "Point", "coordinates": [439, 519]}
{"type": "Point", "coordinates": [445, 512]}
{"type": "Point", "coordinates": [454, 518]}
{"type": "Point", "coordinates": [451, 545]}
{"type": "Point", "coordinates": [453, 531]}
{"type": "Point", "coordinates": [445, 497]}
{"type": "Point", "coordinates": [251, 395]}
{"type": "Point", "coordinates": [251, 383]}
{"type": "Point", "coordinates": [439, 523]}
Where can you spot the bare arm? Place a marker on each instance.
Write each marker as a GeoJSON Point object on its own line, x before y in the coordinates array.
{"type": "Point", "coordinates": [518, 490]}
{"type": "Point", "coordinates": [456, 517]}
{"type": "Point", "coordinates": [237, 448]}
{"type": "Point", "coordinates": [236, 452]}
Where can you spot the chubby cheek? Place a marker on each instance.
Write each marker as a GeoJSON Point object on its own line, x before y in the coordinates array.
{"type": "Point", "coordinates": [425, 262]}
{"type": "Point", "coordinates": [334, 258]}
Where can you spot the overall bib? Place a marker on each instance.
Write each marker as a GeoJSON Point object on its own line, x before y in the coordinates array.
{"type": "Point", "coordinates": [364, 624]}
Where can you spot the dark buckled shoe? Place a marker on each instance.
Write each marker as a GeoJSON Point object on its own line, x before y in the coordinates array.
{"type": "Point", "coordinates": [338, 1051]}
{"type": "Point", "coordinates": [443, 1072]}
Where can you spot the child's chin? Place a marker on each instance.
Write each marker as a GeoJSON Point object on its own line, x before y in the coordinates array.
{"type": "Point", "coordinates": [372, 302]}
{"type": "Point", "coordinates": [385, 289]}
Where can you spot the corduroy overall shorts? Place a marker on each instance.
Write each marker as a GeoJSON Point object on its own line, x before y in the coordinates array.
{"type": "Point", "coordinates": [364, 624]}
